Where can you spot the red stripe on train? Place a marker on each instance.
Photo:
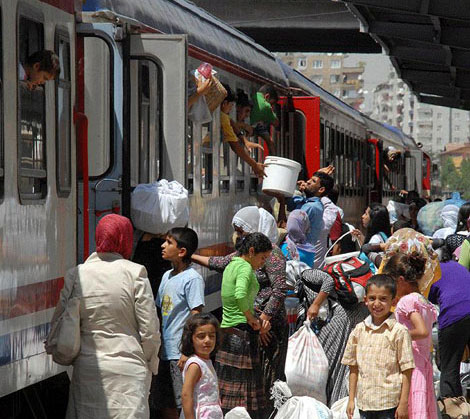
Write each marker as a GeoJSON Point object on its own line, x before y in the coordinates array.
{"type": "Point", "coordinates": [30, 298]}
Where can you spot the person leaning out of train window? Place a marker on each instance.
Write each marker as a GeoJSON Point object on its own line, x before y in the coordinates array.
{"type": "Point", "coordinates": [391, 163]}
{"type": "Point", "coordinates": [262, 114]}
{"type": "Point", "coordinates": [230, 137]}
{"type": "Point", "coordinates": [41, 66]}
{"type": "Point", "coordinates": [240, 127]}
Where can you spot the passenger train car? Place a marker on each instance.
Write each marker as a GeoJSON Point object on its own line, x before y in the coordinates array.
{"type": "Point", "coordinates": [73, 150]}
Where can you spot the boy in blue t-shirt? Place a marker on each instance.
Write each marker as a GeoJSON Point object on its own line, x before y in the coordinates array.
{"type": "Point", "coordinates": [181, 294]}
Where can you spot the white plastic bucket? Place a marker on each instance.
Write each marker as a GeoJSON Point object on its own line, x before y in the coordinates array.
{"type": "Point", "coordinates": [281, 175]}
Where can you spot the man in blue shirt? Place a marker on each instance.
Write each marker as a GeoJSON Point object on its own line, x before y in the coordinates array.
{"type": "Point", "coordinates": [319, 185]}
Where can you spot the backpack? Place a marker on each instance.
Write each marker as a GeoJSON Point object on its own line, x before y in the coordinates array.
{"type": "Point", "coordinates": [350, 276]}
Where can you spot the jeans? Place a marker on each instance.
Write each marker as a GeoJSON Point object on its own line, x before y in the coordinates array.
{"type": "Point", "coordinates": [378, 414]}
{"type": "Point", "coordinates": [452, 342]}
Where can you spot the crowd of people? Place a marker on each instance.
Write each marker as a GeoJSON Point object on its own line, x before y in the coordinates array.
{"type": "Point", "coordinates": [148, 349]}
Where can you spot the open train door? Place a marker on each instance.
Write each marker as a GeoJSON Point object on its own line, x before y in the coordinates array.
{"type": "Point", "coordinates": [155, 111]}
{"type": "Point", "coordinates": [301, 132]}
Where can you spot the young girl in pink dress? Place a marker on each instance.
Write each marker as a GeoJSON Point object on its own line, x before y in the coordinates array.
{"type": "Point", "coordinates": [200, 394]}
{"type": "Point", "coordinates": [418, 315]}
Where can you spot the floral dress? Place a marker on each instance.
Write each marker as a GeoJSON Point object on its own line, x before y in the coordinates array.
{"type": "Point", "coordinates": [206, 392]}
{"type": "Point", "coordinates": [421, 401]}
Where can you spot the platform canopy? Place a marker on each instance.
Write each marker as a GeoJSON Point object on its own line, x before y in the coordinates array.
{"type": "Point", "coordinates": [428, 42]}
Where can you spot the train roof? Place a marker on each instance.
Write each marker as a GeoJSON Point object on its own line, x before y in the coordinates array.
{"type": "Point", "coordinates": [299, 81]}
{"type": "Point", "coordinates": [205, 32]}
{"type": "Point", "coordinates": [383, 131]}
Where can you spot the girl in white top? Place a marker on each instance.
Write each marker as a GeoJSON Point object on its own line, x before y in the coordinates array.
{"type": "Point", "coordinates": [200, 395]}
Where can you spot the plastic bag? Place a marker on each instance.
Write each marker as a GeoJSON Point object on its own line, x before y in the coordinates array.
{"type": "Point", "coordinates": [306, 364]}
{"type": "Point", "coordinates": [157, 207]}
{"type": "Point", "coordinates": [339, 409]}
{"type": "Point", "coordinates": [200, 112]}
{"type": "Point", "coordinates": [237, 413]}
{"type": "Point", "coordinates": [304, 408]}
{"type": "Point", "coordinates": [429, 217]}
{"type": "Point", "coordinates": [397, 210]}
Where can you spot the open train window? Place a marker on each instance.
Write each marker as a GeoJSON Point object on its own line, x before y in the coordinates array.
{"type": "Point", "coordinates": [224, 164]}
{"type": "Point", "coordinates": [98, 104]}
{"type": "Point", "coordinates": [206, 158]}
{"type": "Point", "coordinates": [63, 117]}
{"type": "Point", "coordinates": [32, 164]}
{"type": "Point", "coordinates": [2, 159]}
{"type": "Point", "coordinates": [145, 121]}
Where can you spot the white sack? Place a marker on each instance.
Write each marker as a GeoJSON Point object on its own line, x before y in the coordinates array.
{"type": "Point", "coordinates": [306, 364]}
{"type": "Point", "coordinates": [303, 408]}
{"type": "Point", "coordinates": [339, 409]}
{"type": "Point", "coordinates": [238, 413]}
{"type": "Point", "coordinates": [157, 207]}
{"type": "Point", "coordinates": [200, 112]}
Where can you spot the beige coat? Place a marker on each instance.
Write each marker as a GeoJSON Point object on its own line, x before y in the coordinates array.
{"type": "Point", "coordinates": [119, 342]}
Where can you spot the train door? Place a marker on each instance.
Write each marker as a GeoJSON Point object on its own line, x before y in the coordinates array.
{"type": "Point", "coordinates": [417, 155]}
{"type": "Point", "coordinates": [156, 109]}
{"type": "Point", "coordinates": [302, 131]}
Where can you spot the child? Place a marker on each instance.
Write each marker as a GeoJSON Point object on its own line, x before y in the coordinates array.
{"type": "Point", "coordinates": [200, 393]}
{"type": "Point", "coordinates": [380, 357]}
{"type": "Point", "coordinates": [262, 114]}
{"type": "Point", "coordinates": [418, 315]}
{"type": "Point", "coordinates": [231, 138]}
{"type": "Point", "coordinates": [181, 294]}
{"type": "Point", "coordinates": [39, 67]}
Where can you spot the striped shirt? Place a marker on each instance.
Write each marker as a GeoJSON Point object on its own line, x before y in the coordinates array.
{"type": "Point", "coordinates": [382, 353]}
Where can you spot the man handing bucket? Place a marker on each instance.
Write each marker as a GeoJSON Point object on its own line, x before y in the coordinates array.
{"type": "Point", "coordinates": [318, 186]}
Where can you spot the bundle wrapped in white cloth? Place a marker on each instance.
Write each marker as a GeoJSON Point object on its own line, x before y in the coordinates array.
{"type": "Point", "coordinates": [339, 409]}
{"type": "Point", "coordinates": [157, 207]}
{"type": "Point", "coordinates": [304, 407]}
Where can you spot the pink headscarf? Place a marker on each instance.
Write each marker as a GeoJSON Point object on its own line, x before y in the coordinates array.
{"type": "Point", "coordinates": [114, 235]}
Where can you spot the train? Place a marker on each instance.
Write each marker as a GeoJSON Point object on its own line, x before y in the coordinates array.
{"type": "Point", "coordinates": [72, 150]}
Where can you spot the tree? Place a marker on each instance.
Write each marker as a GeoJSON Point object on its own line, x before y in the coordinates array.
{"type": "Point", "coordinates": [465, 178]}
{"type": "Point", "coordinates": [450, 177]}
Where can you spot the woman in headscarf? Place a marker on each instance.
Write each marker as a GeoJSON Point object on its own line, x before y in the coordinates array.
{"type": "Point", "coordinates": [119, 331]}
{"type": "Point", "coordinates": [313, 290]}
{"type": "Point", "coordinates": [269, 302]}
{"type": "Point", "coordinates": [296, 246]}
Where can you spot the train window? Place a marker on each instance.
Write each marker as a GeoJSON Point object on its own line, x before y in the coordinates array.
{"type": "Point", "coordinates": [206, 158]}
{"type": "Point", "coordinates": [326, 152]}
{"type": "Point", "coordinates": [145, 121]}
{"type": "Point", "coordinates": [32, 164]}
{"type": "Point", "coordinates": [63, 118]}
{"type": "Point", "coordinates": [98, 105]}
{"type": "Point", "coordinates": [190, 158]}
{"type": "Point", "coordinates": [2, 160]}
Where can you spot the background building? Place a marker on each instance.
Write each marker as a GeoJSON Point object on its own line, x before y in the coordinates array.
{"type": "Point", "coordinates": [330, 72]}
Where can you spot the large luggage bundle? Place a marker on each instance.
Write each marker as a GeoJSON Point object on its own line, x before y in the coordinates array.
{"type": "Point", "coordinates": [157, 207]}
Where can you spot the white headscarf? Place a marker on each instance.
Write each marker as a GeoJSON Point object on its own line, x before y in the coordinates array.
{"type": "Point", "coordinates": [256, 220]}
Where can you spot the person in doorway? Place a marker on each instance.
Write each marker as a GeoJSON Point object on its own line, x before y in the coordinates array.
{"type": "Point", "coordinates": [181, 294]}
{"type": "Point", "coordinates": [230, 137]}
{"type": "Point", "coordinates": [262, 114]}
{"type": "Point", "coordinates": [380, 357]}
{"type": "Point", "coordinates": [39, 67]}
{"type": "Point", "coordinates": [119, 336]}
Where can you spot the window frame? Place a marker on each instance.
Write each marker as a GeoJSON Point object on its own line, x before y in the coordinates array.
{"type": "Point", "coordinates": [61, 34]}
{"type": "Point", "coordinates": [210, 152]}
{"type": "Point", "coordinates": [25, 13]}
